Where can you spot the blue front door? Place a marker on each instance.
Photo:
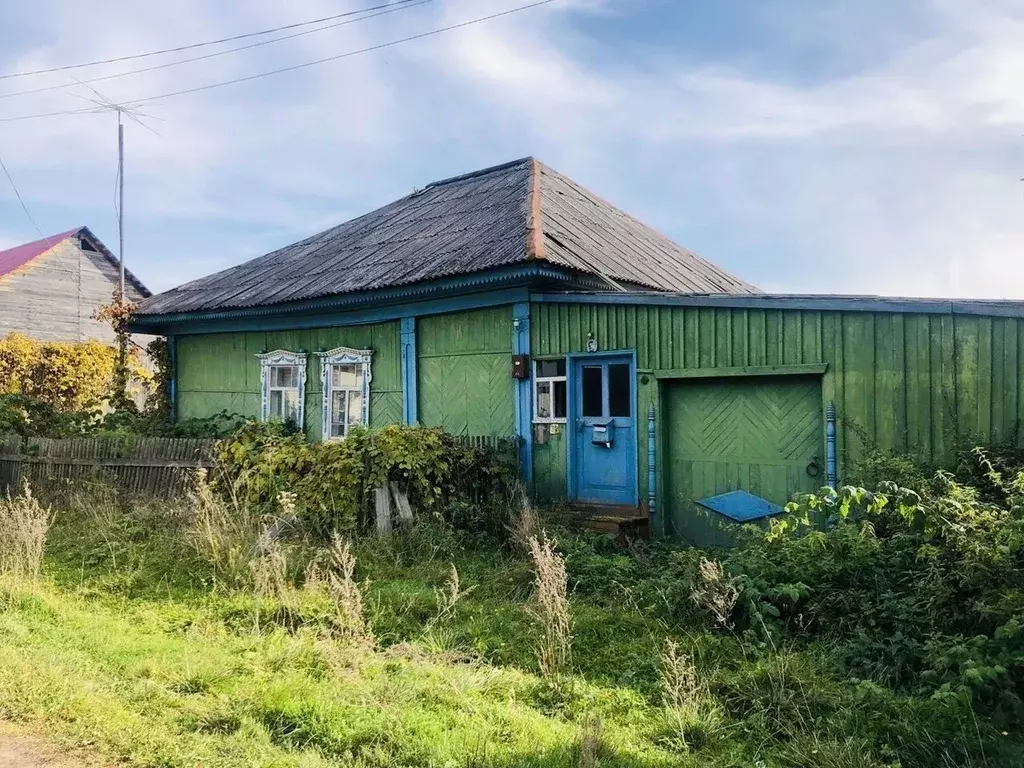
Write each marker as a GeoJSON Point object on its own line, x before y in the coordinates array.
{"type": "Point", "coordinates": [604, 433]}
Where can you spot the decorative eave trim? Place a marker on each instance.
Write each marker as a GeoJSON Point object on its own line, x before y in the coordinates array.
{"type": "Point", "coordinates": [519, 275]}
{"type": "Point", "coordinates": [809, 302]}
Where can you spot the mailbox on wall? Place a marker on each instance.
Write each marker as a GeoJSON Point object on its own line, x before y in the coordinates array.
{"type": "Point", "coordinates": [604, 433]}
{"type": "Point", "coordinates": [520, 366]}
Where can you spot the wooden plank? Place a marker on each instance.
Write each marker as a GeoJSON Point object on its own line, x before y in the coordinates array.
{"type": "Point", "coordinates": [809, 369]}
{"type": "Point", "coordinates": [401, 503]}
{"type": "Point", "coordinates": [382, 503]}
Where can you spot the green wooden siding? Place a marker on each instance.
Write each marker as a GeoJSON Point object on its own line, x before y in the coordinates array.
{"type": "Point", "coordinates": [464, 364]}
{"type": "Point", "coordinates": [759, 434]}
{"type": "Point", "coordinates": [549, 466]}
{"type": "Point", "coordinates": [910, 382]}
{"type": "Point", "coordinates": [218, 372]}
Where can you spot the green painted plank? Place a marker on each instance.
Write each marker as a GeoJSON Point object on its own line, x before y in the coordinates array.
{"type": "Point", "coordinates": [743, 370]}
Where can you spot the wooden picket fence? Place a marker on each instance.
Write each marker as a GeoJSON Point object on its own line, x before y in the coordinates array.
{"type": "Point", "coordinates": [152, 466]}
{"type": "Point", "coordinates": [160, 467]}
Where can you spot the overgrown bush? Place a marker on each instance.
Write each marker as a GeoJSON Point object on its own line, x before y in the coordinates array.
{"type": "Point", "coordinates": [30, 417]}
{"type": "Point", "coordinates": [334, 481]}
{"type": "Point", "coordinates": [68, 376]}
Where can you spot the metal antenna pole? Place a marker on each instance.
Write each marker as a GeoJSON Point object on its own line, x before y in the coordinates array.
{"type": "Point", "coordinates": [120, 202]}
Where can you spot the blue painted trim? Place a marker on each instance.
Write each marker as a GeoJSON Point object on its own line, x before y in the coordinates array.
{"type": "Point", "coordinates": [523, 391]}
{"type": "Point", "coordinates": [172, 385]}
{"type": "Point", "coordinates": [652, 475]}
{"type": "Point", "coordinates": [410, 397]}
{"type": "Point", "coordinates": [520, 276]}
{"type": "Point", "coordinates": [363, 316]}
{"type": "Point", "coordinates": [831, 473]}
{"type": "Point", "coordinates": [572, 415]}
{"type": "Point", "coordinates": [781, 301]}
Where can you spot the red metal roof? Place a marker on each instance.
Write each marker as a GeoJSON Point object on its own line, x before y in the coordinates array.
{"type": "Point", "coordinates": [21, 255]}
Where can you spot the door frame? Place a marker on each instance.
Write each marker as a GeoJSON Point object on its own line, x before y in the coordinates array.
{"type": "Point", "coordinates": [572, 409]}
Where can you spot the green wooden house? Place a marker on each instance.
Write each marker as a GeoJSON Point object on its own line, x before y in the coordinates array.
{"type": "Point", "coordinates": [511, 301]}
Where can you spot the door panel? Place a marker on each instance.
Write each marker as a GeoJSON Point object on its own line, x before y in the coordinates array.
{"type": "Point", "coordinates": [604, 471]}
{"type": "Point", "coordinates": [761, 435]}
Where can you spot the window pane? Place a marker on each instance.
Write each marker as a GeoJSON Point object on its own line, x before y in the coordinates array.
{"type": "Point", "coordinates": [348, 376]}
{"type": "Point", "coordinates": [619, 400]}
{"type": "Point", "coordinates": [338, 403]}
{"type": "Point", "coordinates": [591, 383]}
{"type": "Point", "coordinates": [275, 410]}
{"type": "Point", "coordinates": [550, 368]}
{"type": "Point", "coordinates": [355, 407]}
{"type": "Point", "coordinates": [559, 399]}
{"type": "Point", "coordinates": [291, 405]}
{"type": "Point", "coordinates": [283, 376]}
{"type": "Point", "coordinates": [543, 399]}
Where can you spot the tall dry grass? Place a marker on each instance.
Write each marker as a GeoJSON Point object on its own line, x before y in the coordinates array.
{"type": "Point", "coordinates": [225, 531]}
{"type": "Point", "coordinates": [550, 607]}
{"type": "Point", "coordinates": [715, 592]}
{"type": "Point", "coordinates": [336, 578]}
{"type": "Point", "coordinates": [24, 524]}
{"type": "Point", "coordinates": [524, 523]}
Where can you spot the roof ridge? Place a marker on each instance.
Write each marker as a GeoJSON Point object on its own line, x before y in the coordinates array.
{"type": "Point", "coordinates": [481, 172]}
{"type": "Point", "coordinates": [534, 214]}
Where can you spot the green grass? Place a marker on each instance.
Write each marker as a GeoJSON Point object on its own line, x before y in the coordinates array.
{"type": "Point", "coordinates": [127, 645]}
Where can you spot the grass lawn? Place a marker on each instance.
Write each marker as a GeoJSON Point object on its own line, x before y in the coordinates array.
{"type": "Point", "coordinates": [128, 644]}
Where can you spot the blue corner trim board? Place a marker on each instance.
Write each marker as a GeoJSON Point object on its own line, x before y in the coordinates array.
{"type": "Point", "coordinates": [409, 375]}
{"type": "Point", "coordinates": [652, 473]}
{"type": "Point", "coordinates": [523, 389]}
{"type": "Point", "coordinates": [172, 384]}
{"type": "Point", "coordinates": [741, 506]}
{"type": "Point", "coordinates": [831, 472]}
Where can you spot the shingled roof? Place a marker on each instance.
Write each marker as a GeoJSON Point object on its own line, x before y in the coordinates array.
{"type": "Point", "coordinates": [510, 214]}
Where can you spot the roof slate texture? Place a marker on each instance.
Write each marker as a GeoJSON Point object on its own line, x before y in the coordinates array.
{"type": "Point", "coordinates": [507, 215]}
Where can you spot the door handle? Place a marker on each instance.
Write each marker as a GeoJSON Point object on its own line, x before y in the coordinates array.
{"type": "Point", "coordinates": [814, 467]}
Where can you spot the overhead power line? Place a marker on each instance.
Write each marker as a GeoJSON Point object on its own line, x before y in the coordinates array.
{"type": "Point", "coordinates": [406, 4]}
{"type": "Point", "coordinates": [293, 68]}
{"type": "Point", "coordinates": [193, 46]}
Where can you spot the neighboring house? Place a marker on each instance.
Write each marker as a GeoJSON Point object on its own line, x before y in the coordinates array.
{"type": "Point", "coordinates": [512, 301]}
{"type": "Point", "coordinates": [50, 288]}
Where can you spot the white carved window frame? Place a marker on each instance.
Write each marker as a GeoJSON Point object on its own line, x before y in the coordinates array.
{"type": "Point", "coordinates": [362, 358]}
{"type": "Point", "coordinates": [281, 358]}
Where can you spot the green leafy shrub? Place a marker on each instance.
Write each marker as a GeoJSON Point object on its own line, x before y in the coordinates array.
{"type": "Point", "coordinates": [335, 481]}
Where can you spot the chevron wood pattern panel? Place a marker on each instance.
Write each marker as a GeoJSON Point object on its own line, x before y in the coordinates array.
{"type": "Point", "coordinates": [465, 372]}
{"type": "Point", "coordinates": [467, 395]}
{"type": "Point", "coordinates": [757, 434]}
{"type": "Point", "coordinates": [385, 409]}
{"type": "Point", "coordinates": [913, 383]}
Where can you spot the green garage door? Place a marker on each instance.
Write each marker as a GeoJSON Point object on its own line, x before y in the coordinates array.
{"type": "Point", "coordinates": [758, 434]}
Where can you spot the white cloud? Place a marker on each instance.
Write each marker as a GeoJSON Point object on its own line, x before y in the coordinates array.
{"type": "Point", "coordinates": [897, 176]}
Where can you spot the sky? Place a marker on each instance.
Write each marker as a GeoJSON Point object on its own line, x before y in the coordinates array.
{"type": "Point", "coordinates": [807, 146]}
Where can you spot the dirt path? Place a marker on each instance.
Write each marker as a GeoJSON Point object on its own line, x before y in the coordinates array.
{"type": "Point", "coordinates": [19, 748]}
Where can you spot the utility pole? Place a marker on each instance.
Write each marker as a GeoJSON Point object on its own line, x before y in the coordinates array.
{"type": "Point", "coordinates": [120, 208]}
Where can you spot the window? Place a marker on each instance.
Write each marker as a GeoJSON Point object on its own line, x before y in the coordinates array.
{"type": "Point", "coordinates": [549, 391]}
{"type": "Point", "coordinates": [593, 391]}
{"type": "Point", "coordinates": [346, 376]}
{"type": "Point", "coordinates": [620, 402]}
{"type": "Point", "coordinates": [283, 379]}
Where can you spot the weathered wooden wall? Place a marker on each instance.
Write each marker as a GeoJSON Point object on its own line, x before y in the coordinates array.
{"type": "Point", "coordinates": [220, 371]}
{"type": "Point", "coordinates": [464, 362]}
{"type": "Point", "coordinates": [914, 383]}
{"type": "Point", "coordinates": [53, 297]}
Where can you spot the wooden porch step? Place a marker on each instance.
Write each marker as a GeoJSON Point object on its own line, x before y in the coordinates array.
{"type": "Point", "coordinates": [625, 521]}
